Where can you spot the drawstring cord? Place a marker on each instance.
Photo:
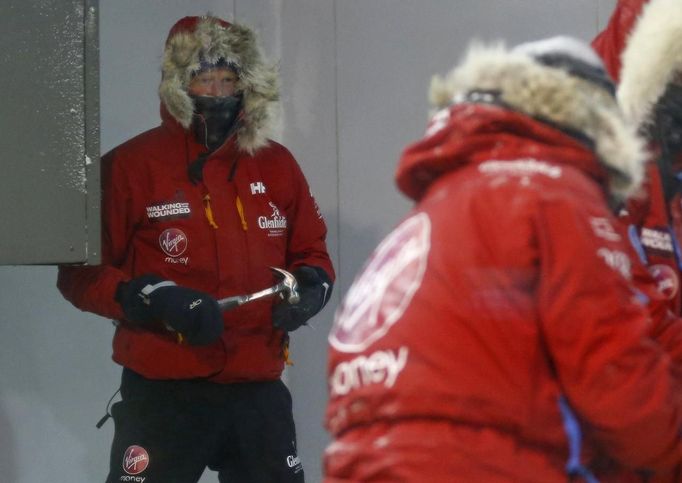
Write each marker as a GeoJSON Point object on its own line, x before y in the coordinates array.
{"type": "Point", "coordinates": [287, 353]}
{"type": "Point", "coordinates": [104, 419]}
{"type": "Point", "coordinates": [209, 211]}
{"type": "Point", "coordinates": [240, 210]}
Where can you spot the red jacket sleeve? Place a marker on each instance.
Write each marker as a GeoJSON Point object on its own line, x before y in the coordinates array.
{"type": "Point", "coordinates": [308, 231]}
{"type": "Point", "coordinates": [92, 288]}
{"type": "Point", "coordinates": [614, 375]}
{"type": "Point", "coordinates": [610, 43]}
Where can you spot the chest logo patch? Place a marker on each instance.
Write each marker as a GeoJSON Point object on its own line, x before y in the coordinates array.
{"type": "Point", "coordinates": [135, 460]}
{"type": "Point", "coordinates": [382, 292]}
{"type": "Point", "coordinates": [257, 188]}
{"type": "Point", "coordinates": [276, 223]}
{"type": "Point", "coordinates": [173, 242]}
{"type": "Point", "coordinates": [667, 280]}
{"type": "Point", "coordinates": [164, 211]}
{"type": "Point", "coordinates": [657, 240]}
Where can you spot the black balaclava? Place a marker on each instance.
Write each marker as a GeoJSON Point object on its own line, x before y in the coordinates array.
{"type": "Point", "coordinates": [214, 119]}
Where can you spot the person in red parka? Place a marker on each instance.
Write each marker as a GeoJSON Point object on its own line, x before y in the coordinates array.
{"type": "Point", "coordinates": [641, 47]}
{"type": "Point", "coordinates": [496, 334]}
{"type": "Point", "coordinates": [196, 210]}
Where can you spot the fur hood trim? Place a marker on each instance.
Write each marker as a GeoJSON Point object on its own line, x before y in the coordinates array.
{"type": "Point", "coordinates": [550, 94]}
{"type": "Point", "coordinates": [651, 59]}
{"type": "Point", "coordinates": [196, 39]}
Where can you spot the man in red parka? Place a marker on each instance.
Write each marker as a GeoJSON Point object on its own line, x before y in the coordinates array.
{"type": "Point", "coordinates": [642, 49]}
{"type": "Point", "coordinates": [496, 334]}
{"type": "Point", "coordinates": [196, 210]}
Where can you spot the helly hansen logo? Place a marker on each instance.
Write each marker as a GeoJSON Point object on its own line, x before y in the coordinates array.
{"type": "Point", "coordinates": [257, 188]}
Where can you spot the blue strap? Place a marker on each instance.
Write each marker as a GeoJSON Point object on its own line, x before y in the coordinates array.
{"type": "Point", "coordinates": [637, 244]}
{"type": "Point", "coordinates": [676, 247]}
{"type": "Point", "coordinates": [574, 467]}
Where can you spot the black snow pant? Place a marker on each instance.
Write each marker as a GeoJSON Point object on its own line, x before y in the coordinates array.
{"type": "Point", "coordinates": [170, 431]}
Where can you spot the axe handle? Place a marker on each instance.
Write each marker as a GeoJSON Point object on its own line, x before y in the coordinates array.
{"type": "Point", "coordinates": [229, 303]}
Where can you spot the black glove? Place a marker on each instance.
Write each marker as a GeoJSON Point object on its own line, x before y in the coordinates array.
{"type": "Point", "coordinates": [314, 288]}
{"type": "Point", "coordinates": [193, 314]}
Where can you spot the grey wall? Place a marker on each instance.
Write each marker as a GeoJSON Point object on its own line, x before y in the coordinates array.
{"type": "Point", "coordinates": [354, 75]}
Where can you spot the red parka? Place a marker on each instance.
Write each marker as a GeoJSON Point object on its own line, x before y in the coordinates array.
{"type": "Point", "coordinates": [505, 294]}
{"type": "Point", "coordinates": [656, 224]}
{"type": "Point", "coordinates": [251, 212]}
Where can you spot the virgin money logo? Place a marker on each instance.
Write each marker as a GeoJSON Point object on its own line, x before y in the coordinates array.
{"type": "Point", "coordinates": [667, 280]}
{"type": "Point", "coordinates": [135, 460]}
{"type": "Point", "coordinates": [382, 292]}
{"type": "Point", "coordinates": [173, 242]}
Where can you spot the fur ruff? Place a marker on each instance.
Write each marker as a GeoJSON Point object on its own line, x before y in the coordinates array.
{"type": "Point", "coordinates": [550, 93]}
{"type": "Point", "coordinates": [257, 81]}
{"type": "Point", "coordinates": [651, 59]}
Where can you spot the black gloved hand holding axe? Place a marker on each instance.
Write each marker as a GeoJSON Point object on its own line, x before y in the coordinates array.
{"type": "Point", "coordinates": [303, 294]}
{"type": "Point", "coordinates": [314, 288]}
{"type": "Point", "coordinates": [149, 299]}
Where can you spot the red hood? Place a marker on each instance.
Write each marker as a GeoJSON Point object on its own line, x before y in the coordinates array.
{"type": "Point", "coordinates": [611, 42]}
{"type": "Point", "coordinates": [169, 122]}
{"type": "Point", "coordinates": [474, 133]}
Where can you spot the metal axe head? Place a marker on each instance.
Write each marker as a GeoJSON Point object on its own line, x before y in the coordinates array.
{"type": "Point", "coordinates": [288, 287]}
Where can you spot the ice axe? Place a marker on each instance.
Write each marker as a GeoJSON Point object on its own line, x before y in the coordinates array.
{"type": "Point", "coordinates": [287, 287]}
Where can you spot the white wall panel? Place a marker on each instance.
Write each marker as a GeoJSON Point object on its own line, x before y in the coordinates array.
{"type": "Point", "coordinates": [132, 37]}
{"type": "Point", "coordinates": [300, 35]}
{"type": "Point", "coordinates": [387, 52]}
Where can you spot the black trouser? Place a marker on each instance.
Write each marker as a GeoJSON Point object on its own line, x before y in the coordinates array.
{"type": "Point", "coordinates": [170, 431]}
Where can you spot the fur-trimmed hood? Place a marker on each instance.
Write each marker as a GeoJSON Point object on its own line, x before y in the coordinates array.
{"type": "Point", "coordinates": [552, 95]}
{"type": "Point", "coordinates": [651, 59]}
{"type": "Point", "coordinates": [208, 39]}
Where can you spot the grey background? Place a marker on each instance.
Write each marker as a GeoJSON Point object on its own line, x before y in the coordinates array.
{"type": "Point", "coordinates": [354, 81]}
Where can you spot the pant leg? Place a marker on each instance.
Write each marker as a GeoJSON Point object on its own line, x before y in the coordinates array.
{"type": "Point", "coordinates": [263, 437]}
{"type": "Point", "coordinates": [158, 437]}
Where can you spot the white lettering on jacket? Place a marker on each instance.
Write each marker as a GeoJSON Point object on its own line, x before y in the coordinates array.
{"type": "Point", "coordinates": [168, 209]}
{"type": "Point", "coordinates": [657, 239]}
{"type": "Point", "coordinates": [381, 367]}
{"type": "Point", "coordinates": [521, 167]}
{"type": "Point", "coordinates": [617, 260]}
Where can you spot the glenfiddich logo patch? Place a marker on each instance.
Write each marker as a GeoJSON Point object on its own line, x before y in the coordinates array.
{"type": "Point", "coordinates": [168, 210]}
{"type": "Point", "coordinates": [276, 223]}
